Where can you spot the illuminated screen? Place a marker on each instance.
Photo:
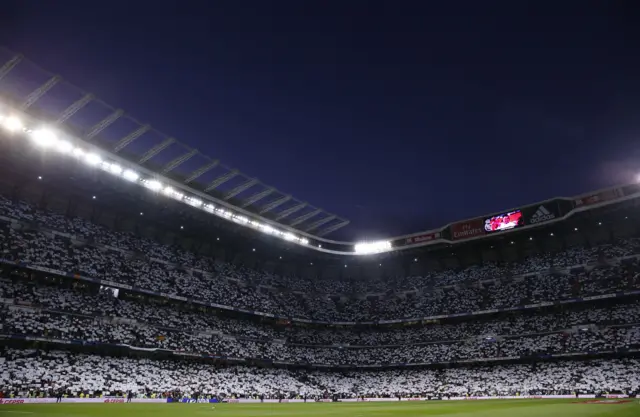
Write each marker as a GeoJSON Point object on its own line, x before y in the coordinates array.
{"type": "Point", "coordinates": [503, 221]}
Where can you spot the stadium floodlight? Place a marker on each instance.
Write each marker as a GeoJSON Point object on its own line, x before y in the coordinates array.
{"type": "Point", "coordinates": [153, 185]}
{"type": "Point", "coordinates": [44, 137]}
{"type": "Point", "coordinates": [12, 124]}
{"type": "Point", "coordinates": [93, 159]}
{"type": "Point", "coordinates": [63, 146]}
{"type": "Point", "coordinates": [49, 138]}
{"type": "Point", "coordinates": [366, 248]}
{"type": "Point", "coordinates": [115, 168]}
{"type": "Point", "coordinates": [130, 175]}
{"type": "Point", "coordinates": [192, 201]}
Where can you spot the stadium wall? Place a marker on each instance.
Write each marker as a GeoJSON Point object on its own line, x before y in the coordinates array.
{"type": "Point", "coordinates": [12, 401]}
{"type": "Point", "coordinates": [116, 400]}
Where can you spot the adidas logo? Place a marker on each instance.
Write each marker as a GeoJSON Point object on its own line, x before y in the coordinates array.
{"type": "Point", "coordinates": [541, 215]}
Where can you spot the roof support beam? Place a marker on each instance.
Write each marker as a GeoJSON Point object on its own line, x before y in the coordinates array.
{"type": "Point", "coordinates": [290, 211]}
{"type": "Point", "coordinates": [221, 180]}
{"type": "Point", "coordinates": [179, 161]}
{"type": "Point", "coordinates": [305, 217]}
{"type": "Point", "coordinates": [319, 223]}
{"type": "Point", "coordinates": [333, 228]}
{"type": "Point", "coordinates": [9, 65]}
{"type": "Point", "coordinates": [39, 92]}
{"type": "Point", "coordinates": [257, 196]}
{"type": "Point", "coordinates": [74, 108]}
{"type": "Point", "coordinates": [156, 150]}
{"type": "Point", "coordinates": [274, 204]}
{"type": "Point", "coordinates": [103, 124]}
{"type": "Point", "coordinates": [240, 188]}
{"type": "Point", "coordinates": [131, 137]}
{"type": "Point", "coordinates": [201, 171]}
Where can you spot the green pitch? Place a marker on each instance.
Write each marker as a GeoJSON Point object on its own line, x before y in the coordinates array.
{"type": "Point", "coordinates": [484, 408]}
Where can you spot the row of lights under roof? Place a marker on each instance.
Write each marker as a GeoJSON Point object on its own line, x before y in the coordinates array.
{"type": "Point", "coordinates": [141, 213]}
{"type": "Point", "coordinates": [47, 139]}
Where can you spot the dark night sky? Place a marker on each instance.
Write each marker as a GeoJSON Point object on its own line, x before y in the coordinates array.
{"type": "Point", "coordinates": [400, 116]}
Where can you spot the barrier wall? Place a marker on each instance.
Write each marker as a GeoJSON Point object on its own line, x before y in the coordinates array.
{"type": "Point", "coordinates": [111, 400]}
{"type": "Point", "coordinates": [108, 400]}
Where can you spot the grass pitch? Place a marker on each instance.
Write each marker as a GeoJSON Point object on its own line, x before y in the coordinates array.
{"type": "Point", "coordinates": [484, 408]}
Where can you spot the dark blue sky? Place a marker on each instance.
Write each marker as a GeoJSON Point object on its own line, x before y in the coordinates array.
{"type": "Point", "coordinates": [400, 116]}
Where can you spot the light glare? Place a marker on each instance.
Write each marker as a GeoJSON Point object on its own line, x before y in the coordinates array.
{"type": "Point", "coordinates": [63, 146]}
{"type": "Point", "coordinates": [154, 185]}
{"type": "Point", "coordinates": [115, 168]}
{"type": "Point", "coordinates": [44, 137]}
{"type": "Point", "coordinates": [47, 138]}
{"type": "Point", "coordinates": [365, 248]}
{"type": "Point", "coordinates": [93, 159]}
{"type": "Point", "coordinates": [12, 124]}
{"type": "Point", "coordinates": [131, 175]}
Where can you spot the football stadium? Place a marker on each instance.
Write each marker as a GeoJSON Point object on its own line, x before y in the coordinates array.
{"type": "Point", "coordinates": [138, 273]}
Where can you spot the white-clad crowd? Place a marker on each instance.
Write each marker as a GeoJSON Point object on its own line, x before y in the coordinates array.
{"type": "Point", "coordinates": [56, 310]}
{"type": "Point", "coordinates": [25, 371]}
{"type": "Point", "coordinates": [131, 260]}
{"type": "Point", "coordinates": [78, 315]}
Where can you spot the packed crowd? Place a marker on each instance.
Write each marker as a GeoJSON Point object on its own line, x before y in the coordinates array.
{"type": "Point", "coordinates": [90, 250]}
{"type": "Point", "coordinates": [24, 372]}
{"type": "Point", "coordinates": [87, 317]}
{"type": "Point", "coordinates": [162, 315]}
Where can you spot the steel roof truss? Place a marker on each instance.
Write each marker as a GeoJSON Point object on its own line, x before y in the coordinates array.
{"type": "Point", "coordinates": [179, 161]}
{"type": "Point", "coordinates": [103, 124]}
{"type": "Point", "coordinates": [221, 180]}
{"type": "Point", "coordinates": [9, 65]}
{"type": "Point", "coordinates": [319, 223]}
{"type": "Point", "coordinates": [290, 211]}
{"type": "Point", "coordinates": [240, 188]}
{"type": "Point", "coordinates": [39, 92]}
{"type": "Point", "coordinates": [333, 228]}
{"type": "Point", "coordinates": [131, 137]}
{"type": "Point", "coordinates": [201, 171]}
{"type": "Point", "coordinates": [257, 196]}
{"type": "Point", "coordinates": [275, 203]}
{"type": "Point", "coordinates": [74, 108]}
{"type": "Point", "coordinates": [305, 217]}
{"type": "Point", "coordinates": [156, 150]}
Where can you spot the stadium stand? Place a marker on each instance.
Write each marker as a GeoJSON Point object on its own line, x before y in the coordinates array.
{"type": "Point", "coordinates": [89, 308]}
{"type": "Point", "coordinates": [31, 371]}
{"type": "Point", "coordinates": [40, 305]}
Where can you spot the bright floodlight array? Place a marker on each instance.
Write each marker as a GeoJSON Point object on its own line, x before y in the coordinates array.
{"type": "Point", "coordinates": [49, 139]}
{"type": "Point", "coordinates": [366, 248]}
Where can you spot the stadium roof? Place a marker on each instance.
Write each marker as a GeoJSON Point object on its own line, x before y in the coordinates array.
{"type": "Point", "coordinates": [109, 140]}
{"type": "Point", "coordinates": [41, 92]}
